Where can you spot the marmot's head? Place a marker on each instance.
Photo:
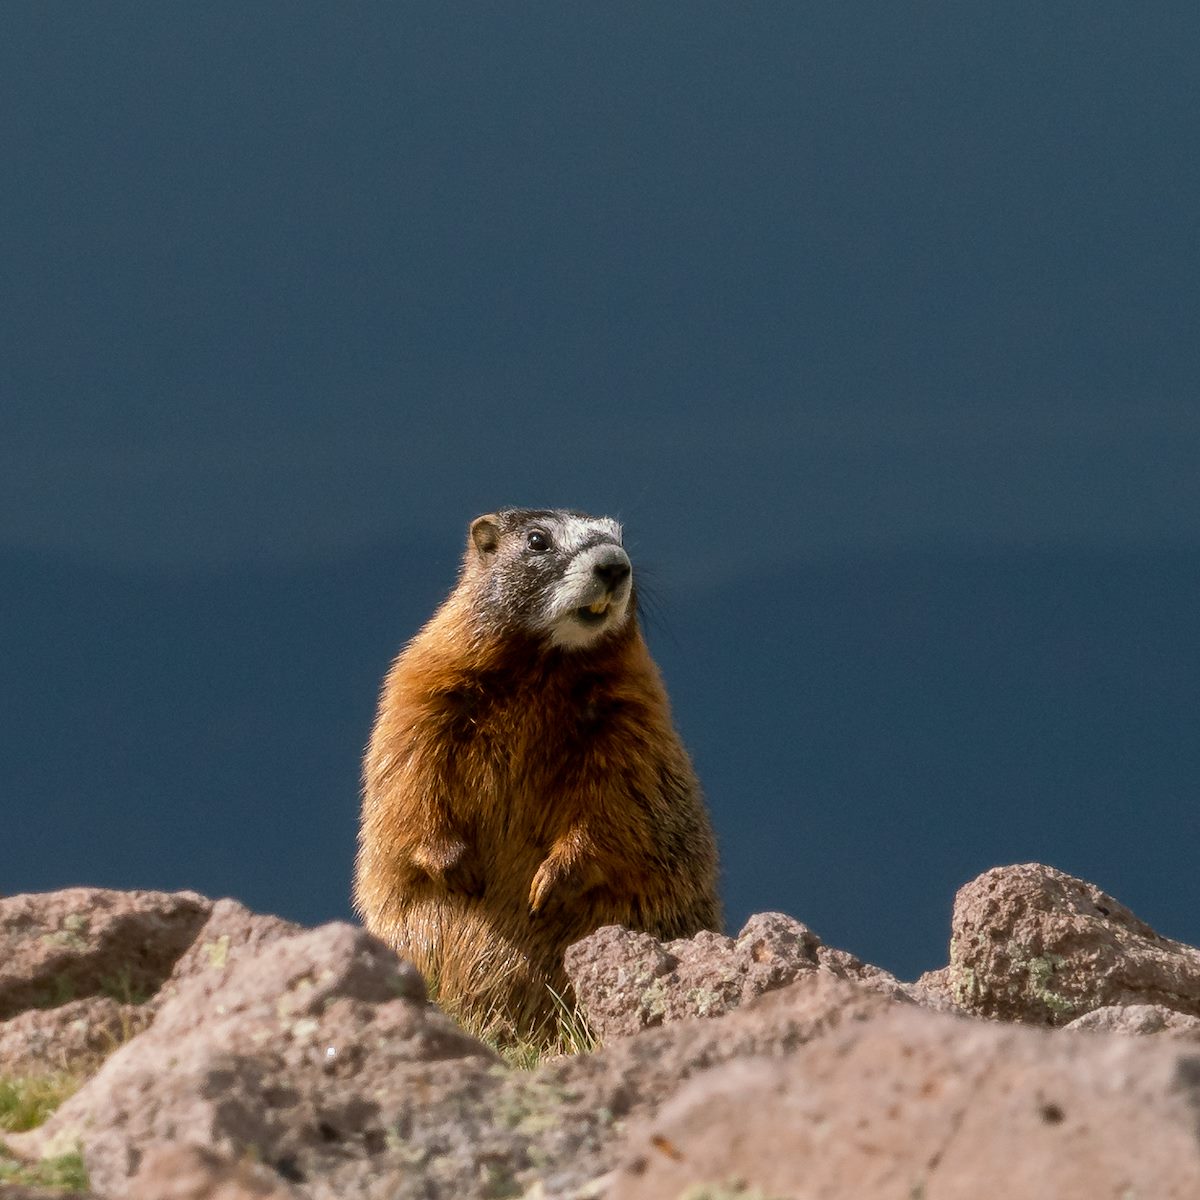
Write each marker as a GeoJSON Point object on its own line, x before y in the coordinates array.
{"type": "Point", "coordinates": [556, 574]}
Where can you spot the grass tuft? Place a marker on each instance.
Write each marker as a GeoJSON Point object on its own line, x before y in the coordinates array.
{"type": "Point", "coordinates": [120, 987]}
{"type": "Point", "coordinates": [567, 1033]}
{"type": "Point", "coordinates": [65, 1173]}
{"type": "Point", "coordinates": [25, 1102]}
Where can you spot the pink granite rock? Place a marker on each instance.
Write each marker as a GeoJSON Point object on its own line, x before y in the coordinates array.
{"type": "Point", "coordinates": [917, 1104]}
{"type": "Point", "coordinates": [1033, 944]}
{"type": "Point", "coordinates": [61, 946]}
{"type": "Point", "coordinates": [184, 1172]}
{"type": "Point", "coordinates": [1140, 1020]}
{"type": "Point", "coordinates": [628, 981]}
{"type": "Point", "coordinates": [305, 1053]}
{"type": "Point", "coordinates": [76, 1036]}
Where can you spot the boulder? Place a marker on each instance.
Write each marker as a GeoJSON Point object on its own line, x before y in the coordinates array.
{"type": "Point", "coordinates": [62, 946]}
{"type": "Point", "coordinates": [573, 1110]}
{"type": "Point", "coordinates": [633, 1075]}
{"type": "Point", "coordinates": [1033, 944]}
{"type": "Point", "coordinates": [280, 1062]}
{"type": "Point", "coordinates": [74, 1037]}
{"type": "Point", "coordinates": [230, 932]}
{"type": "Point", "coordinates": [308, 1054]}
{"type": "Point", "coordinates": [319, 1058]}
{"type": "Point", "coordinates": [911, 1103]}
{"type": "Point", "coordinates": [185, 1172]}
{"type": "Point", "coordinates": [1140, 1020]}
{"type": "Point", "coordinates": [627, 981]}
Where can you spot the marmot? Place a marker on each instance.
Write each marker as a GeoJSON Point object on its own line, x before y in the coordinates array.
{"type": "Point", "coordinates": [524, 784]}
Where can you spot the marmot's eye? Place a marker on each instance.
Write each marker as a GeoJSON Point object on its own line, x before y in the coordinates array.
{"type": "Point", "coordinates": [538, 542]}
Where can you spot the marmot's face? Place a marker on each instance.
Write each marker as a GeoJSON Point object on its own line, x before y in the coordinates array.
{"type": "Point", "coordinates": [558, 574]}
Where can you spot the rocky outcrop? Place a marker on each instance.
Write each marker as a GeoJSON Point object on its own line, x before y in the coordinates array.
{"type": "Point", "coordinates": [627, 981]}
{"type": "Point", "coordinates": [320, 1056]}
{"type": "Point", "coordinates": [61, 946]}
{"type": "Point", "coordinates": [916, 1104]}
{"type": "Point", "coordinates": [124, 953]}
{"type": "Point", "coordinates": [302, 1050]}
{"type": "Point", "coordinates": [1140, 1020]}
{"type": "Point", "coordinates": [75, 1036]}
{"type": "Point", "coordinates": [182, 1172]}
{"type": "Point", "coordinates": [1032, 944]}
{"type": "Point", "coordinates": [270, 1062]}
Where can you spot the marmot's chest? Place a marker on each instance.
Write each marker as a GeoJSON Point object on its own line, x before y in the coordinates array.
{"type": "Point", "coordinates": [537, 748]}
{"type": "Point", "coordinates": [535, 720]}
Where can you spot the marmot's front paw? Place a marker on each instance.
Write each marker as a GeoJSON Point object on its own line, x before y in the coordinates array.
{"type": "Point", "coordinates": [448, 860]}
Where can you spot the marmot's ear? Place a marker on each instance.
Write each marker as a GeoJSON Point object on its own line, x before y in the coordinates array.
{"type": "Point", "coordinates": [485, 534]}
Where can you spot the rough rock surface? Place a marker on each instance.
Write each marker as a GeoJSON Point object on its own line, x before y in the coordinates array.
{"type": "Point", "coordinates": [283, 1063]}
{"type": "Point", "coordinates": [1033, 944]}
{"type": "Point", "coordinates": [183, 1172]}
{"type": "Point", "coordinates": [917, 1104]}
{"type": "Point", "coordinates": [123, 953]}
{"type": "Point", "coordinates": [1140, 1020]}
{"type": "Point", "coordinates": [230, 932]}
{"type": "Point", "coordinates": [631, 1077]}
{"type": "Point", "coordinates": [61, 946]}
{"type": "Point", "coordinates": [74, 1036]}
{"type": "Point", "coordinates": [17, 1191]}
{"type": "Point", "coordinates": [319, 1056]}
{"type": "Point", "coordinates": [627, 981]}
{"type": "Point", "coordinates": [294, 1052]}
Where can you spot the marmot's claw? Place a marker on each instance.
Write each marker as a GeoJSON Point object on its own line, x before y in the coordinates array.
{"type": "Point", "coordinates": [550, 876]}
{"type": "Point", "coordinates": [560, 881]}
{"type": "Point", "coordinates": [543, 881]}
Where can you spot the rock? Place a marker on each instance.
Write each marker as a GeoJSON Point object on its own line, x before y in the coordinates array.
{"type": "Point", "coordinates": [309, 1053]}
{"type": "Point", "coordinates": [76, 1036]}
{"type": "Point", "coordinates": [318, 1056]}
{"type": "Point", "coordinates": [628, 981]}
{"type": "Point", "coordinates": [572, 1110]}
{"type": "Point", "coordinates": [918, 1104]}
{"type": "Point", "coordinates": [97, 953]}
{"type": "Point", "coordinates": [230, 932]}
{"type": "Point", "coordinates": [936, 982]}
{"type": "Point", "coordinates": [1033, 944]}
{"type": "Point", "coordinates": [182, 1172]}
{"type": "Point", "coordinates": [630, 1077]}
{"type": "Point", "coordinates": [61, 946]}
{"type": "Point", "coordinates": [932, 990]}
{"type": "Point", "coordinates": [283, 1063]}
{"type": "Point", "coordinates": [1139, 1019]}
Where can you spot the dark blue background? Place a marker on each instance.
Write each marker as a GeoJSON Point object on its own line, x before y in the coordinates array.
{"type": "Point", "coordinates": [877, 325]}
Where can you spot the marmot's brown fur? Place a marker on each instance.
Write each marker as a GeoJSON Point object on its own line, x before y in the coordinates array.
{"type": "Point", "coordinates": [524, 784]}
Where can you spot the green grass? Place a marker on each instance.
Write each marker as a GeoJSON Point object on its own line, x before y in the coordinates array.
{"type": "Point", "coordinates": [25, 1102]}
{"type": "Point", "coordinates": [66, 1172]}
{"type": "Point", "coordinates": [120, 987]}
{"type": "Point", "coordinates": [567, 1033]}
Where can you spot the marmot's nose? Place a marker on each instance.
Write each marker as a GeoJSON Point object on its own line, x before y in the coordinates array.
{"type": "Point", "coordinates": [612, 567]}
